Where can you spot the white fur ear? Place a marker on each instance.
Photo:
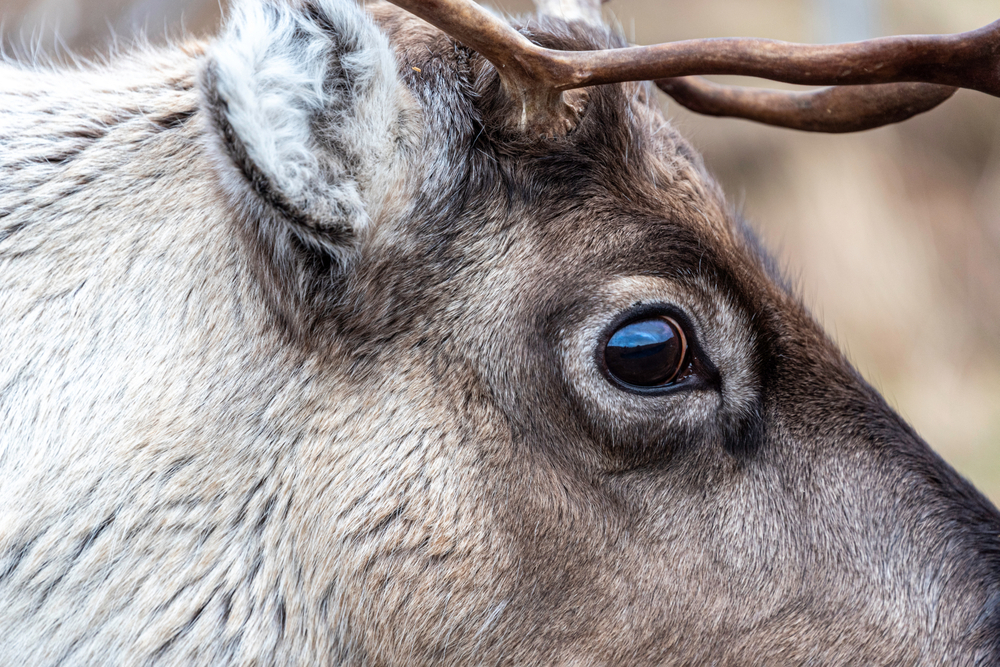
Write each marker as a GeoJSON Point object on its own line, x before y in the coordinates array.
{"type": "Point", "coordinates": [308, 107]}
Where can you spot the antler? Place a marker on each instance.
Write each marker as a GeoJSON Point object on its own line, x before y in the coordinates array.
{"type": "Point", "coordinates": [538, 76]}
{"type": "Point", "coordinates": [531, 74]}
{"type": "Point", "coordinates": [833, 109]}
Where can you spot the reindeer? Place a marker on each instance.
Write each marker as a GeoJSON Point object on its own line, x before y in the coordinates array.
{"type": "Point", "coordinates": [398, 335]}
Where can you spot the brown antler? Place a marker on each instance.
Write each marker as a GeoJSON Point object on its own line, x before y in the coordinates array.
{"type": "Point", "coordinates": [537, 76]}
{"type": "Point", "coordinates": [530, 74]}
{"type": "Point", "coordinates": [833, 109]}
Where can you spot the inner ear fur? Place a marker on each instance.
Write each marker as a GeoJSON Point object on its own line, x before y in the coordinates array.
{"type": "Point", "coordinates": [311, 124]}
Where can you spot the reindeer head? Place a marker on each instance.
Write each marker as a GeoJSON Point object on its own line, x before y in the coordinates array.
{"type": "Point", "coordinates": [489, 372]}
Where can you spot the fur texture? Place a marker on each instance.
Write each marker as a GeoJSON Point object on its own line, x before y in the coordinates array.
{"type": "Point", "coordinates": [302, 364]}
{"type": "Point", "coordinates": [312, 95]}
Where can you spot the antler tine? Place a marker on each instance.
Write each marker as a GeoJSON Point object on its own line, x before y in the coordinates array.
{"type": "Point", "coordinates": [966, 60]}
{"type": "Point", "coordinates": [530, 73]}
{"type": "Point", "coordinates": [834, 109]}
{"type": "Point", "coordinates": [537, 76]}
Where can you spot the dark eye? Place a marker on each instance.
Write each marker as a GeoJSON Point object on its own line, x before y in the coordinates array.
{"type": "Point", "coordinates": [647, 352]}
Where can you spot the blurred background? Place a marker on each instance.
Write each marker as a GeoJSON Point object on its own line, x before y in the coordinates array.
{"type": "Point", "coordinates": [892, 235]}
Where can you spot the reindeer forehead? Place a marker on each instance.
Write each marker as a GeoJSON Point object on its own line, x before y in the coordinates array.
{"type": "Point", "coordinates": [622, 133]}
{"type": "Point", "coordinates": [624, 165]}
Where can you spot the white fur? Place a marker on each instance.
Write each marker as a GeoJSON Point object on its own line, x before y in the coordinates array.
{"type": "Point", "coordinates": [318, 113]}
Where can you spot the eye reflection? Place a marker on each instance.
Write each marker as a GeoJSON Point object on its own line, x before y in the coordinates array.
{"type": "Point", "coordinates": [647, 352]}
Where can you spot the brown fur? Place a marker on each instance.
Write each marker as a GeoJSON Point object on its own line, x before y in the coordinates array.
{"type": "Point", "coordinates": [232, 435]}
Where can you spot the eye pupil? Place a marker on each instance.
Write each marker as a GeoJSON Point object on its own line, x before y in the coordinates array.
{"type": "Point", "coordinates": [647, 352]}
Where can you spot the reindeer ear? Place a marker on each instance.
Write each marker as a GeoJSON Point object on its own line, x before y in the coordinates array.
{"type": "Point", "coordinates": [311, 119]}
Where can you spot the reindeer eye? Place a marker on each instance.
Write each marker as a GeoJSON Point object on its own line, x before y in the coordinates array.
{"type": "Point", "coordinates": [647, 352]}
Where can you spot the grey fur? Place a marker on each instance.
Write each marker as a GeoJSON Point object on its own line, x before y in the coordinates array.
{"type": "Point", "coordinates": [325, 386]}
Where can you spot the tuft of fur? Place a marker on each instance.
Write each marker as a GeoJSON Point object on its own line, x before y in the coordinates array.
{"type": "Point", "coordinates": [311, 93]}
{"type": "Point", "coordinates": [315, 127]}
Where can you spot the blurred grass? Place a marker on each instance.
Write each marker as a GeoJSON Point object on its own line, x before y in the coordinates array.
{"type": "Point", "coordinates": [893, 235]}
